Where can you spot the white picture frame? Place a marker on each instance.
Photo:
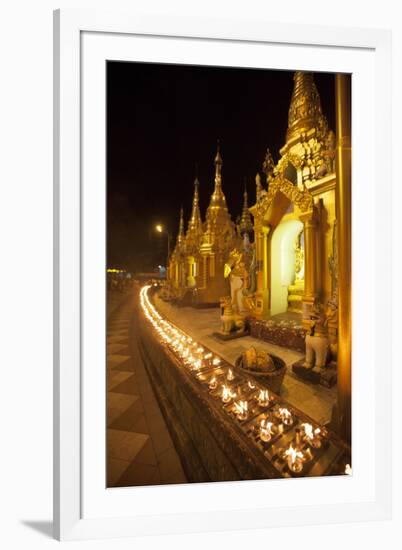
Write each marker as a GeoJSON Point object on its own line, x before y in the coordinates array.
{"type": "Point", "coordinates": [83, 508]}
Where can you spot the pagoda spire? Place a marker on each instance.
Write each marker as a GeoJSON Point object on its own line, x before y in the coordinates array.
{"type": "Point", "coordinates": [180, 235]}
{"type": "Point", "coordinates": [305, 110]}
{"type": "Point", "coordinates": [246, 225]}
{"type": "Point", "coordinates": [218, 198]}
{"type": "Point", "coordinates": [195, 219]}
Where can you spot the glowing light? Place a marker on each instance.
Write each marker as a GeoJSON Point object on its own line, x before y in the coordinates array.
{"type": "Point", "coordinates": [159, 228]}
{"type": "Point", "coordinates": [308, 430]}
{"type": "Point", "coordinates": [213, 383]}
{"type": "Point", "coordinates": [348, 469]}
{"type": "Point", "coordinates": [266, 430]}
{"type": "Point", "coordinates": [294, 459]}
{"type": "Point", "coordinates": [227, 394]}
{"type": "Point", "coordinates": [230, 375]}
{"type": "Point", "coordinates": [263, 398]}
{"type": "Point", "coordinates": [312, 436]}
{"type": "Point", "coordinates": [285, 415]}
{"type": "Point", "coordinates": [241, 409]}
{"type": "Point", "coordinates": [251, 385]}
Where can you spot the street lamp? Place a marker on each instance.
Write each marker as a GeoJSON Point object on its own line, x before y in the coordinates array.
{"type": "Point", "coordinates": [160, 229]}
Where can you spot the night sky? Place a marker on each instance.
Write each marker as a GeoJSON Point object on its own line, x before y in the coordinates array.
{"type": "Point", "coordinates": [162, 121]}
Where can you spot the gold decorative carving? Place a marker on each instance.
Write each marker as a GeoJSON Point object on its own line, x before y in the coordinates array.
{"type": "Point", "coordinates": [302, 199]}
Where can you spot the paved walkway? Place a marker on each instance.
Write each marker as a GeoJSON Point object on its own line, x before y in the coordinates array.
{"type": "Point", "coordinates": [140, 450]}
{"type": "Point", "coordinates": [315, 400]}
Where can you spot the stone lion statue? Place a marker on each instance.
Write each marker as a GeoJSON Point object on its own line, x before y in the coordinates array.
{"type": "Point", "coordinates": [317, 342]}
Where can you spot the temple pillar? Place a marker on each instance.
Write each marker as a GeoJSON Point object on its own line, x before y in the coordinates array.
{"type": "Point", "coordinates": [309, 220]}
{"type": "Point", "coordinates": [262, 293]}
{"type": "Point", "coordinates": [343, 214]}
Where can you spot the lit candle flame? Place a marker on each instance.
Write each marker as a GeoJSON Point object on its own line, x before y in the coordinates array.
{"type": "Point", "coordinates": [294, 458]}
{"type": "Point", "coordinates": [263, 398]}
{"type": "Point", "coordinates": [241, 409]}
{"type": "Point", "coordinates": [265, 430]}
{"type": "Point", "coordinates": [308, 430]}
{"type": "Point", "coordinates": [285, 415]}
{"type": "Point", "coordinates": [227, 394]}
{"type": "Point", "coordinates": [230, 375]}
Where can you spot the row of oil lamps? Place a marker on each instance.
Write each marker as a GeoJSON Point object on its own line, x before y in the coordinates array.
{"type": "Point", "coordinates": [196, 358]}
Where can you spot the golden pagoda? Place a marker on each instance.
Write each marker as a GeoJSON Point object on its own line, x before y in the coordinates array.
{"type": "Point", "coordinates": [193, 239]}
{"type": "Point", "coordinates": [218, 240]}
{"type": "Point", "coordinates": [294, 217]}
{"type": "Point", "coordinates": [176, 268]}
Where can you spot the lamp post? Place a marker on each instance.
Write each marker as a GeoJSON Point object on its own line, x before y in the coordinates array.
{"type": "Point", "coordinates": [161, 229]}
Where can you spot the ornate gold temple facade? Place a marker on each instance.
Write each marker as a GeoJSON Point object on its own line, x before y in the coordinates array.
{"type": "Point", "coordinates": [295, 213]}
{"type": "Point", "coordinates": [198, 259]}
{"type": "Point", "coordinates": [294, 223]}
{"type": "Point", "coordinates": [298, 266]}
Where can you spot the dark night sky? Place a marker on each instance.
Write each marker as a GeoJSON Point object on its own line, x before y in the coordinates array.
{"type": "Point", "coordinates": [162, 120]}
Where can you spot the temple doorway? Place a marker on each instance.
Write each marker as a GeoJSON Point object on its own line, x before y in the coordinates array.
{"type": "Point", "coordinates": [287, 267]}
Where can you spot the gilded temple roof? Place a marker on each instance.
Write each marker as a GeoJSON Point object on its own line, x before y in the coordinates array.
{"type": "Point", "coordinates": [305, 110]}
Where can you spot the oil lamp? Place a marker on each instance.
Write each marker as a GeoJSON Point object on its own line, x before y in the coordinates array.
{"type": "Point", "coordinates": [294, 459]}
{"type": "Point", "coordinates": [263, 398]}
{"type": "Point", "coordinates": [285, 415]}
{"type": "Point", "coordinates": [313, 437]}
{"type": "Point", "coordinates": [266, 430]}
{"type": "Point", "coordinates": [227, 394]}
{"type": "Point", "coordinates": [230, 375]}
{"type": "Point", "coordinates": [197, 365]}
{"type": "Point", "coordinates": [241, 409]}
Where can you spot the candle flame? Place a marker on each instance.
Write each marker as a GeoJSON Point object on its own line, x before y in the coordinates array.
{"type": "Point", "coordinates": [293, 454]}
{"type": "Point", "coordinates": [241, 408]}
{"type": "Point", "coordinates": [285, 414]}
{"type": "Point", "coordinates": [263, 397]}
{"type": "Point", "coordinates": [308, 430]}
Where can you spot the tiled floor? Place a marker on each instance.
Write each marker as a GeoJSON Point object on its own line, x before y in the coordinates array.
{"type": "Point", "coordinates": [314, 400]}
{"type": "Point", "coordinates": [140, 450]}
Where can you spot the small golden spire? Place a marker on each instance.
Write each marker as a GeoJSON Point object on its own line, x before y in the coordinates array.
{"type": "Point", "coordinates": [218, 198]}
{"type": "Point", "coordinates": [180, 235]}
{"type": "Point", "coordinates": [195, 220]}
{"type": "Point", "coordinates": [194, 230]}
{"type": "Point", "coordinates": [246, 225]}
{"type": "Point", "coordinates": [305, 110]}
{"type": "Point", "coordinates": [219, 228]}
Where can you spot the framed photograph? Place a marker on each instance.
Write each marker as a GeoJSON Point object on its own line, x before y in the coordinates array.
{"type": "Point", "coordinates": [221, 189]}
